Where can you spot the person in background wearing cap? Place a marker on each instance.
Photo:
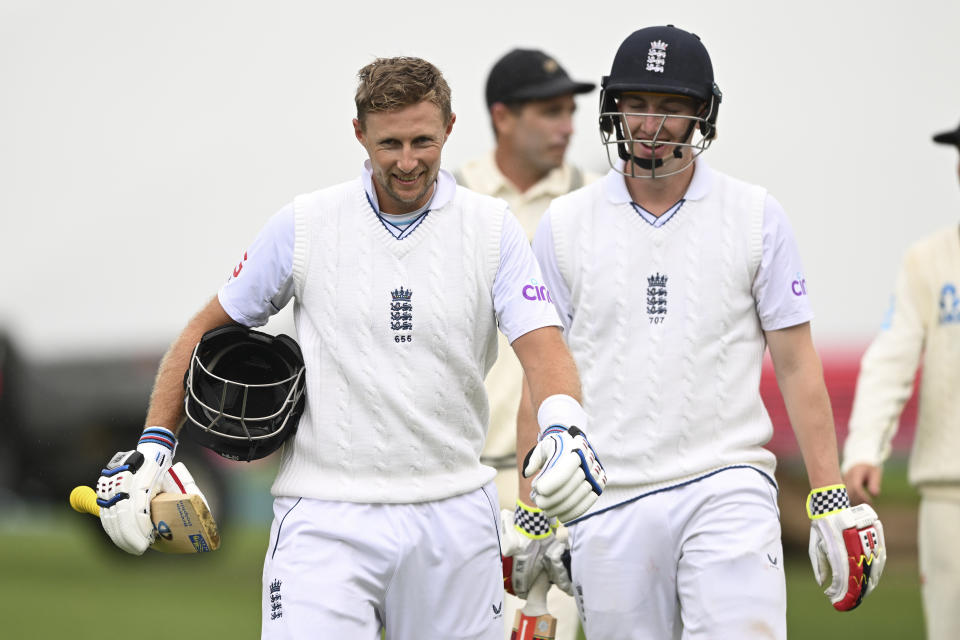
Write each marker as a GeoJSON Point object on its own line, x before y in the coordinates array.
{"type": "Point", "coordinates": [672, 279]}
{"type": "Point", "coordinates": [531, 102]}
{"type": "Point", "coordinates": [923, 323]}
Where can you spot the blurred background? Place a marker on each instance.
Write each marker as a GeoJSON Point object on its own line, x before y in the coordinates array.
{"type": "Point", "coordinates": [143, 145]}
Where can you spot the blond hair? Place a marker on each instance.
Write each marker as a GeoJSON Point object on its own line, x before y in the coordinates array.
{"type": "Point", "coordinates": [393, 83]}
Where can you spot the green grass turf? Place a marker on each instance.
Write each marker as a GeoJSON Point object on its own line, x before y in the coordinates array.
{"type": "Point", "coordinates": [59, 580]}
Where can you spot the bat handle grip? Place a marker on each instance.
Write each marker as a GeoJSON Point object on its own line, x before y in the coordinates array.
{"type": "Point", "coordinates": [84, 500]}
{"type": "Point", "coordinates": [536, 604]}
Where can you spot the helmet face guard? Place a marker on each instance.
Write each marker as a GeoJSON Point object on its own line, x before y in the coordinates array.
{"type": "Point", "coordinates": [244, 392]}
{"type": "Point", "coordinates": [615, 132]}
{"type": "Point", "coordinates": [660, 60]}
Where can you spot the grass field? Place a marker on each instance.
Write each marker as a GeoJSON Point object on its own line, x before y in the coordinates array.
{"type": "Point", "coordinates": [60, 579]}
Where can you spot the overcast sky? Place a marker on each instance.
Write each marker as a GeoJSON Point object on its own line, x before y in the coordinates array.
{"type": "Point", "coordinates": [144, 144]}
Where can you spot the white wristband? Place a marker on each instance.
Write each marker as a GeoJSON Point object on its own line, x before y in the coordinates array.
{"type": "Point", "coordinates": [563, 410]}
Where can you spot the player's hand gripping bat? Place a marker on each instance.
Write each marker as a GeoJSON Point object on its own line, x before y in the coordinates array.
{"type": "Point", "coordinates": [182, 522]}
{"type": "Point", "coordinates": [533, 621]}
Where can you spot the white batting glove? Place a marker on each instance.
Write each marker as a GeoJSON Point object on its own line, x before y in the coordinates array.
{"type": "Point", "coordinates": [127, 485]}
{"type": "Point", "coordinates": [569, 476]}
{"type": "Point", "coordinates": [847, 549]}
{"type": "Point", "coordinates": [556, 560]}
{"type": "Point", "coordinates": [524, 539]}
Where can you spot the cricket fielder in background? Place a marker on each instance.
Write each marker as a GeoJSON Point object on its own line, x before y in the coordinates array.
{"type": "Point", "coordinates": [672, 279]}
{"type": "Point", "coordinates": [384, 516]}
{"type": "Point", "coordinates": [923, 323]}
{"type": "Point", "coordinates": [530, 98]}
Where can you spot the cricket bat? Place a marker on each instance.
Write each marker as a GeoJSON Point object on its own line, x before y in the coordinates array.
{"type": "Point", "coordinates": [533, 621]}
{"type": "Point", "coordinates": [182, 522]}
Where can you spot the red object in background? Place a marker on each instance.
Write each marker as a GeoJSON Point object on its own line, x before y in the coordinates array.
{"type": "Point", "coordinates": [840, 369]}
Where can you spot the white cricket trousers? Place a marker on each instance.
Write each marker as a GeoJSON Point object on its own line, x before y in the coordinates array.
{"type": "Point", "coordinates": [345, 570]}
{"type": "Point", "coordinates": [939, 523]}
{"type": "Point", "coordinates": [703, 560]}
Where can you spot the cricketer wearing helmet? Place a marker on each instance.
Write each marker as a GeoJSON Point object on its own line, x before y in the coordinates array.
{"type": "Point", "coordinates": [384, 517]}
{"type": "Point", "coordinates": [672, 280]}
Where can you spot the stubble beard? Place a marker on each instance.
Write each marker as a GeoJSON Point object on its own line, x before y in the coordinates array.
{"type": "Point", "coordinates": [384, 180]}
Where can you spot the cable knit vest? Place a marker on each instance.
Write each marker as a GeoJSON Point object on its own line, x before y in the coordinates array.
{"type": "Point", "coordinates": [397, 336]}
{"type": "Point", "coordinates": [666, 334]}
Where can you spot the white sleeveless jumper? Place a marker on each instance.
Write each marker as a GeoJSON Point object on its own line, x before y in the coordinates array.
{"type": "Point", "coordinates": [400, 335]}
{"type": "Point", "coordinates": [666, 335]}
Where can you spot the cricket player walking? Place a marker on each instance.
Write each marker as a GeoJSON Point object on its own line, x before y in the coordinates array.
{"type": "Point", "coordinates": [672, 279]}
{"type": "Point", "coordinates": [924, 323]}
{"type": "Point", "coordinates": [385, 518]}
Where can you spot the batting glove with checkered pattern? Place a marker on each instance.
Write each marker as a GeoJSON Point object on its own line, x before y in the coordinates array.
{"type": "Point", "coordinates": [526, 535]}
{"type": "Point", "coordinates": [847, 548]}
{"type": "Point", "coordinates": [127, 485]}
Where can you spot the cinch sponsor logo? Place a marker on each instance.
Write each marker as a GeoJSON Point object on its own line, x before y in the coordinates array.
{"type": "Point", "coordinates": [535, 291]}
{"type": "Point", "coordinates": [799, 286]}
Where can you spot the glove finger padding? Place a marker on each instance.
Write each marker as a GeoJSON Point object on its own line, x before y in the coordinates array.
{"type": "Point", "coordinates": [127, 484]}
{"type": "Point", "coordinates": [575, 504]}
{"type": "Point", "coordinates": [122, 512]}
{"type": "Point", "coordinates": [589, 462]}
{"type": "Point", "coordinates": [556, 559]}
{"type": "Point", "coordinates": [569, 477]}
{"type": "Point", "coordinates": [847, 547]}
{"type": "Point", "coordinates": [555, 483]}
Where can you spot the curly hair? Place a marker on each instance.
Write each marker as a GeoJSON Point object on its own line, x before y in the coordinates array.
{"type": "Point", "coordinates": [393, 83]}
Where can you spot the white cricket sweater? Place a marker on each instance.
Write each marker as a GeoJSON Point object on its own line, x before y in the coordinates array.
{"type": "Point", "coordinates": [399, 336]}
{"type": "Point", "coordinates": [666, 335]}
{"type": "Point", "coordinates": [925, 321]}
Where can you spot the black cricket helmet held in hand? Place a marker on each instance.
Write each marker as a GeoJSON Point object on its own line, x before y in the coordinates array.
{"type": "Point", "coordinates": [660, 60]}
{"type": "Point", "coordinates": [244, 391]}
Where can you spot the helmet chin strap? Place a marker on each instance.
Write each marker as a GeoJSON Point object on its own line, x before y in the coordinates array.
{"type": "Point", "coordinates": [649, 164]}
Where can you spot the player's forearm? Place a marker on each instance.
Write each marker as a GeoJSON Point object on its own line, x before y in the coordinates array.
{"type": "Point", "coordinates": [800, 378]}
{"type": "Point", "coordinates": [527, 432]}
{"type": "Point", "coordinates": [548, 370]}
{"type": "Point", "coordinates": [884, 385]}
{"type": "Point", "coordinates": [808, 406]}
{"type": "Point", "coordinates": [547, 365]}
{"type": "Point", "coordinates": [166, 400]}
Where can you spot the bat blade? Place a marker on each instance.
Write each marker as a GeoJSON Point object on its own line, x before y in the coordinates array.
{"type": "Point", "coordinates": [182, 522]}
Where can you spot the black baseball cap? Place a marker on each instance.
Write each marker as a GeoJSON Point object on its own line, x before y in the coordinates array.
{"type": "Point", "coordinates": [530, 74]}
{"type": "Point", "coordinates": [949, 137]}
